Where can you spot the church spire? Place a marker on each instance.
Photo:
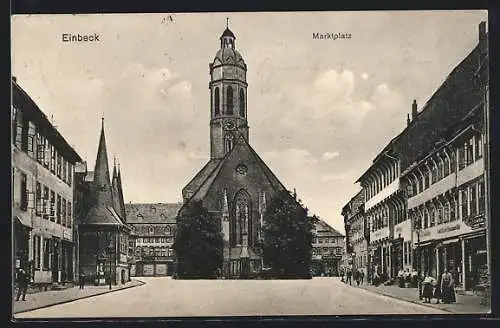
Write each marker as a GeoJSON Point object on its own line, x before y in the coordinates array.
{"type": "Point", "coordinates": [120, 193]}
{"type": "Point", "coordinates": [103, 196]}
{"type": "Point", "coordinates": [227, 38]}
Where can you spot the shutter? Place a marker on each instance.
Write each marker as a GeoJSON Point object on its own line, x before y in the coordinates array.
{"type": "Point", "coordinates": [31, 200]}
{"type": "Point", "coordinates": [19, 130]}
{"type": "Point", "coordinates": [31, 138]}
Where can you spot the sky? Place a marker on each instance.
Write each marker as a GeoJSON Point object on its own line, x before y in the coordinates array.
{"type": "Point", "coordinates": [319, 110]}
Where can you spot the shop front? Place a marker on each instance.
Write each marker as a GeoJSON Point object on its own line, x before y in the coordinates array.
{"type": "Point", "coordinates": [21, 244]}
{"type": "Point", "coordinates": [450, 258]}
{"type": "Point", "coordinates": [396, 256]}
{"type": "Point", "coordinates": [475, 259]}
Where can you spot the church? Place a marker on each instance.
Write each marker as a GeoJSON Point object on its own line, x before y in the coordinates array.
{"type": "Point", "coordinates": [235, 183]}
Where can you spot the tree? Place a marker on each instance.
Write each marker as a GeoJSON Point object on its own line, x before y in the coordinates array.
{"type": "Point", "coordinates": [288, 235]}
{"type": "Point", "coordinates": [198, 242]}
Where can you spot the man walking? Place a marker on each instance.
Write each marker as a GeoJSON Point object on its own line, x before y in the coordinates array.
{"type": "Point", "coordinates": [362, 274]}
{"type": "Point", "coordinates": [81, 279]}
{"type": "Point", "coordinates": [349, 275]}
{"type": "Point", "coordinates": [22, 284]}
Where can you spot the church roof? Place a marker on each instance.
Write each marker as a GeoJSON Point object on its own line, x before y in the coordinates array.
{"type": "Point", "coordinates": [226, 56]}
{"type": "Point", "coordinates": [152, 212]}
{"type": "Point", "coordinates": [200, 177]}
{"type": "Point", "coordinates": [205, 184]}
{"type": "Point", "coordinates": [227, 32]}
{"type": "Point", "coordinates": [102, 215]}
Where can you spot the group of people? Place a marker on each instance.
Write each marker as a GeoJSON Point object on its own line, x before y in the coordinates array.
{"type": "Point", "coordinates": [349, 273]}
{"type": "Point", "coordinates": [442, 290]}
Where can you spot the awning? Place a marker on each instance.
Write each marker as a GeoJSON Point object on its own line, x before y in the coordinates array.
{"type": "Point", "coordinates": [22, 218]}
{"type": "Point", "coordinates": [450, 241]}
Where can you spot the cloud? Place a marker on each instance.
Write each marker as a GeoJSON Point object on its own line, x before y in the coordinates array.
{"type": "Point", "coordinates": [329, 156]}
{"type": "Point", "coordinates": [365, 76]}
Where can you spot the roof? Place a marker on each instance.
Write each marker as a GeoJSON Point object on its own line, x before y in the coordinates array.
{"type": "Point", "coordinates": [353, 206]}
{"type": "Point", "coordinates": [226, 56]}
{"type": "Point", "coordinates": [456, 96]}
{"type": "Point", "coordinates": [203, 186]}
{"type": "Point", "coordinates": [227, 32]}
{"type": "Point", "coordinates": [200, 177]}
{"type": "Point", "coordinates": [323, 226]}
{"type": "Point", "coordinates": [102, 215]}
{"type": "Point", "coordinates": [25, 103]}
{"type": "Point", "coordinates": [152, 212]}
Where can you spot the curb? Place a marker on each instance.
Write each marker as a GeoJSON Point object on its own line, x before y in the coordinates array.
{"type": "Point", "coordinates": [141, 283]}
{"type": "Point", "coordinates": [406, 300]}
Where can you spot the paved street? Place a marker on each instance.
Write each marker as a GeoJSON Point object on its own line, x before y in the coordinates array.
{"type": "Point", "coordinates": [164, 297]}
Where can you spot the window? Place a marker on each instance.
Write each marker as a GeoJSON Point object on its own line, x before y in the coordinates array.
{"type": "Point", "coordinates": [163, 240]}
{"type": "Point", "coordinates": [38, 199]}
{"type": "Point", "coordinates": [242, 103]}
{"type": "Point", "coordinates": [24, 134]}
{"type": "Point", "coordinates": [433, 217]}
{"type": "Point", "coordinates": [36, 251]}
{"type": "Point", "coordinates": [216, 102]}
{"type": "Point", "coordinates": [426, 219]}
{"type": "Point", "coordinates": [157, 240]}
{"type": "Point", "coordinates": [446, 166]}
{"type": "Point", "coordinates": [228, 142]}
{"type": "Point", "coordinates": [52, 206]}
{"type": "Point", "coordinates": [63, 214]}
{"type": "Point", "coordinates": [69, 219]}
{"type": "Point", "coordinates": [24, 192]}
{"type": "Point", "coordinates": [470, 152]}
{"type": "Point", "coordinates": [40, 148]}
{"type": "Point", "coordinates": [47, 153]}
{"type": "Point", "coordinates": [461, 157]}
{"type": "Point", "coordinates": [420, 183]}
{"type": "Point", "coordinates": [45, 203]}
{"type": "Point", "coordinates": [464, 207]}
{"type": "Point", "coordinates": [31, 139]}
{"type": "Point", "coordinates": [453, 161]}
{"type": "Point", "coordinates": [46, 254]}
{"type": "Point", "coordinates": [446, 213]}
{"type": "Point", "coordinates": [58, 209]}
{"type": "Point", "coordinates": [64, 169]}
{"type": "Point", "coordinates": [479, 146]}
{"type": "Point", "coordinates": [151, 230]}
{"type": "Point", "coordinates": [16, 135]}
{"type": "Point", "coordinates": [480, 197]}
{"type": "Point", "coordinates": [70, 174]}
{"type": "Point", "coordinates": [426, 178]}
{"type": "Point", "coordinates": [440, 169]}
{"type": "Point", "coordinates": [473, 200]}
{"type": "Point", "coordinates": [439, 214]}
{"type": "Point", "coordinates": [453, 208]}
{"type": "Point", "coordinates": [230, 102]}
{"type": "Point", "coordinates": [163, 251]}
{"type": "Point", "coordinates": [434, 172]}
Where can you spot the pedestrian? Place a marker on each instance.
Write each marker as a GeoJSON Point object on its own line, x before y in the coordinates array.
{"type": "Point", "coordinates": [427, 290]}
{"type": "Point", "coordinates": [342, 275]}
{"type": "Point", "coordinates": [362, 276]}
{"type": "Point", "coordinates": [349, 276]}
{"type": "Point", "coordinates": [22, 284]}
{"type": "Point", "coordinates": [447, 289]}
{"type": "Point", "coordinates": [81, 280]}
{"type": "Point", "coordinates": [357, 277]}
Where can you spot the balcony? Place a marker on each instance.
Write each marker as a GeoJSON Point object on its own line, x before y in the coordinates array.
{"type": "Point", "coordinates": [382, 194]}
{"type": "Point", "coordinates": [433, 191]}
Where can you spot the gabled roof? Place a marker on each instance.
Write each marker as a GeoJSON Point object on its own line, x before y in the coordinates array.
{"type": "Point", "coordinates": [353, 206]}
{"type": "Point", "coordinates": [152, 212]}
{"type": "Point", "coordinates": [323, 226]}
{"type": "Point", "coordinates": [200, 177]}
{"type": "Point", "coordinates": [102, 215]}
{"type": "Point", "coordinates": [241, 142]}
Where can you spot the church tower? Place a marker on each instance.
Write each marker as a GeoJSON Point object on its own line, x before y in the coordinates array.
{"type": "Point", "coordinates": [228, 97]}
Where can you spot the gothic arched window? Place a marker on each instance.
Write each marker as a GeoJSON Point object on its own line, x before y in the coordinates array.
{"type": "Point", "coordinates": [216, 102]}
{"type": "Point", "coordinates": [242, 103]}
{"type": "Point", "coordinates": [230, 103]}
{"type": "Point", "coordinates": [242, 224]}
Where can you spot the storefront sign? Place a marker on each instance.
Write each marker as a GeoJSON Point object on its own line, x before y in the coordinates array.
{"type": "Point", "coordinates": [148, 269]}
{"type": "Point", "coordinates": [426, 233]}
{"type": "Point", "coordinates": [449, 228]}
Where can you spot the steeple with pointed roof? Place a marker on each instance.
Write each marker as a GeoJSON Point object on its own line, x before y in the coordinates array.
{"type": "Point", "coordinates": [102, 210]}
{"type": "Point", "coordinates": [123, 213]}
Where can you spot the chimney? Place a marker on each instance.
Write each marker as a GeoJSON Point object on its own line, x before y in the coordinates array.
{"type": "Point", "coordinates": [483, 39]}
{"type": "Point", "coordinates": [414, 110]}
{"type": "Point", "coordinates": [407, 119]}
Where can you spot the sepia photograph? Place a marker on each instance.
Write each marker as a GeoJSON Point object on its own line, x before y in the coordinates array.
{"type": "Point", "coordinates": [250, 164]}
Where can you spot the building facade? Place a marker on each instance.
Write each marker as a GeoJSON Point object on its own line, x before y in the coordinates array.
{"type": "Point", "coordinates": [42, 194]}
{"type": "Point", "coordinates": [103, 234]}
{"type": "Point", "coordinates": [425, 192]}
{"type": "Point", "coordinates": [357, 241]}
{"type": "Point", "coordinates": [328, 247]}
{"type": "Point", "coordinates": [153, 226]}
{"type": "Point", "coordinates": [235, 184]}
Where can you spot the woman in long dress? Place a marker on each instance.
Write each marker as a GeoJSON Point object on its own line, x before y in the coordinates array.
{"type": "Point", "coordinates": [427, 288]}
{"type": "Point", "coordinates": [448, 292]}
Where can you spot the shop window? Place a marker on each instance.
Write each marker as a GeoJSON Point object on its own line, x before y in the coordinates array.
{"type": "Point", "coordinates": [38, 199]}
{"type": "Point", "coordinates": [24, 192]}
{"type": "Point", "coordinates": [472, 200]}
{"type": "Point", "coordinates": [481, 198]}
